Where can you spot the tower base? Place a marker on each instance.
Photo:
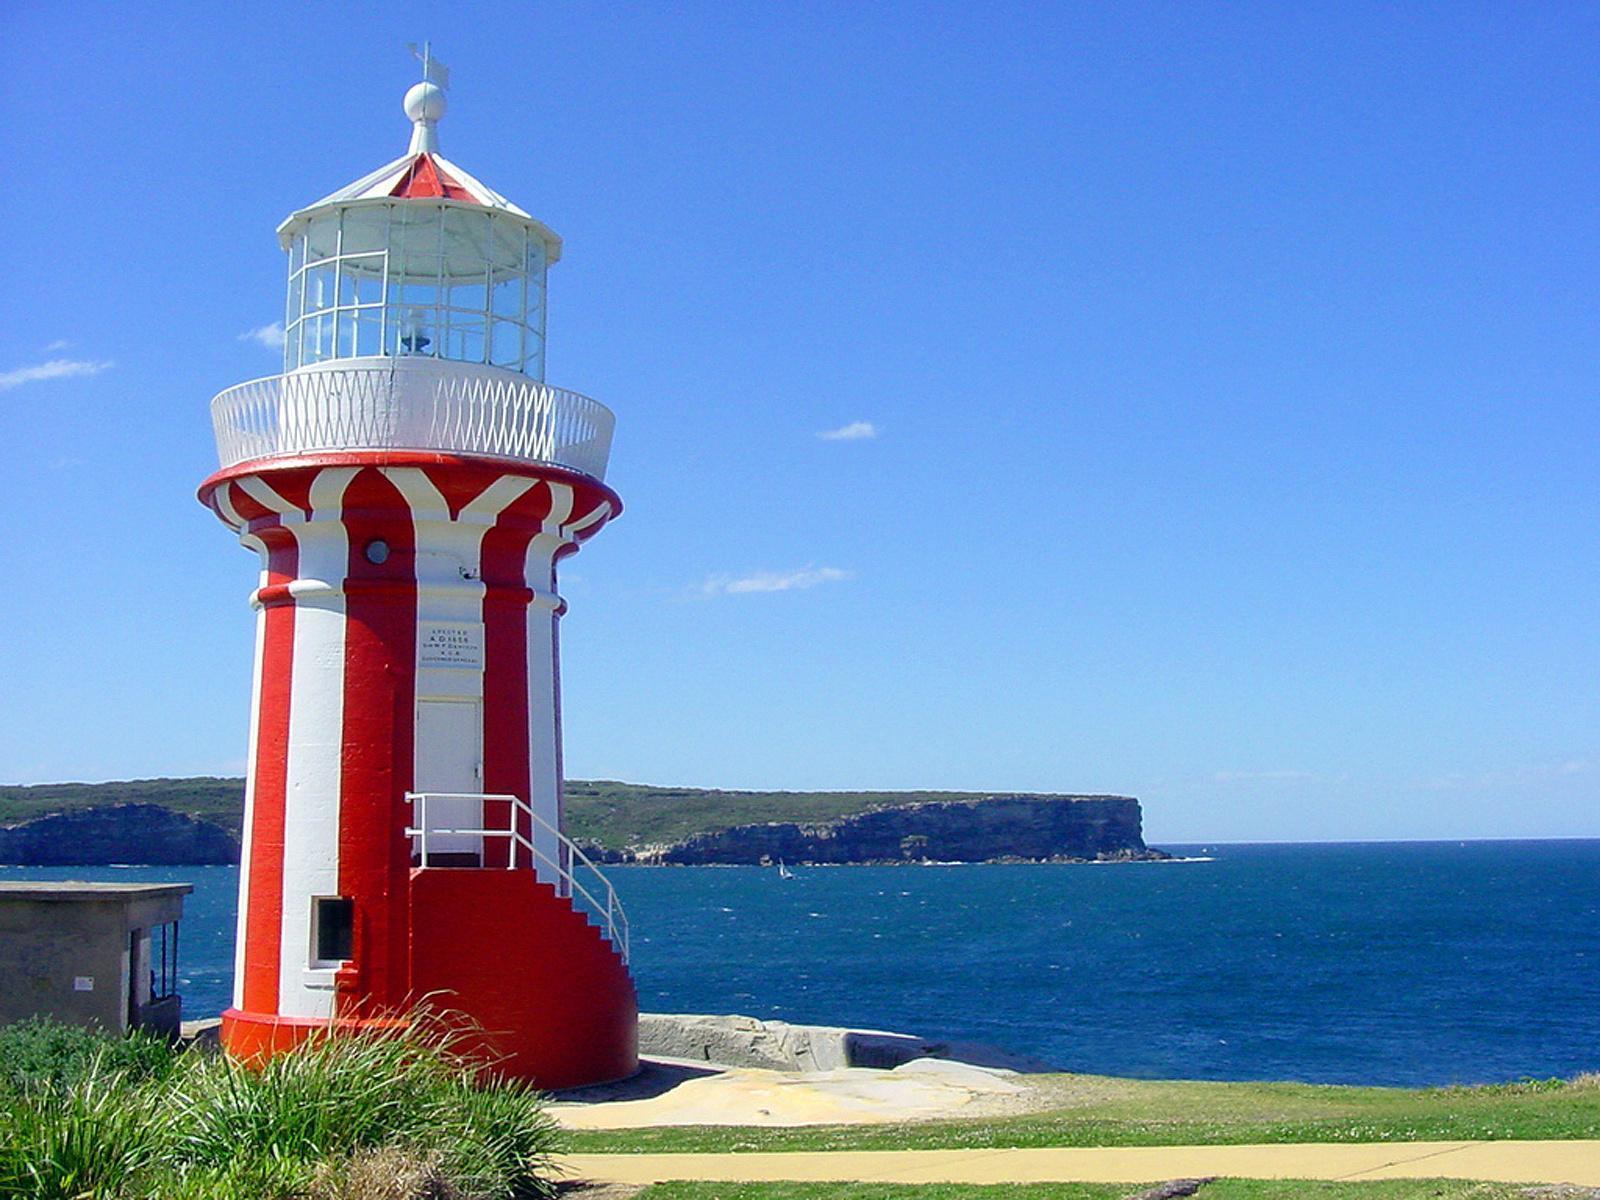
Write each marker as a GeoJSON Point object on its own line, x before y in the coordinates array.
{"type": "Point", "coordinates": [551, 1001]}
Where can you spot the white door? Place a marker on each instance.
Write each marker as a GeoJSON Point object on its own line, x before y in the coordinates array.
{"type": "Point", "coordinates": [449, 759]}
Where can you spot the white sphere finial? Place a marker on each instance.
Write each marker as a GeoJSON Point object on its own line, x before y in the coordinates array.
{"type": "Point", "coordinates": [424, 106]}
{"type": "Point", "coordinates": [425, 101]}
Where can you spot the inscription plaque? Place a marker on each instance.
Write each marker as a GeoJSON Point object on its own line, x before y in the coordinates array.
{"type": "Point", "coordinates": [456, 644]}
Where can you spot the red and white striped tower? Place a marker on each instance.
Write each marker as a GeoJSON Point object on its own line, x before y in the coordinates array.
{"type": "Point", "coordinates": [410, 483]}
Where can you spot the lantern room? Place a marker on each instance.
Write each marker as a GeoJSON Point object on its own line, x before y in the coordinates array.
{"type": "Point", "coordinates": [417, 259]}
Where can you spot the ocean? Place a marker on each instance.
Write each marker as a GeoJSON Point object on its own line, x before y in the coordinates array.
{"type": "Point", "coordinates": [1413, 963]}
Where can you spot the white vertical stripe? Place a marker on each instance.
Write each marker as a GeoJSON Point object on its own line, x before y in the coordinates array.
{"type": "Point", "coordinates": [544, 730]}
{"type": "Point", "coordinates": [560, 507]}
{"type": "Point", "coordinates": [496, 498]}
{"type": "Point", "coordinates": [316, 740]}
{"type": "Point", "coordinates": [260, 491]}
{"type": "Point", "coordinates": [224, 498]}
{"type": "Point", "coordinates": [598, 513]}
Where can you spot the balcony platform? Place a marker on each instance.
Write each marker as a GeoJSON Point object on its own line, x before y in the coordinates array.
{"type": "Point", "coordinates": [411, 404]}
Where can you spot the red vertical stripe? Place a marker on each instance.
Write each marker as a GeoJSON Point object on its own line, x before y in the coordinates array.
{"type": "Point", "coordinates": [379, 739]}
{"type": "Point", "coordinates": [264, 922]}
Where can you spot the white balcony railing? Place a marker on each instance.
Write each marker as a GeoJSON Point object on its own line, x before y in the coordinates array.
{"type": "Point", "coordinates": [411, 404]}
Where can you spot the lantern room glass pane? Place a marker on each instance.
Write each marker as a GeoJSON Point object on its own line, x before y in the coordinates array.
{"type": "Point", "coordinates": [507, 244]}
{"type": "Point", "coordinates": [319, 282]}
{"type": "Point", "coordinates": [506, 300]}
{"type": "Point", "coordinates": [463, 244]}
{"type": "Point", "coordinates": [366, 230]}
{"type": "Point", "coordinates": [316, 338]}
{"type": "Point", "coordinates": [361, 279]}
{"type": "Point", "coordinates": [369, 330]}
{"type": "Point", "coordinates": [465, 340]}
{"type": "Point", "coordinates": [468, 292]}
{"type": "Point", "coordinates": [322, 238]}
{"type": "Point", "coordinates": [505, 345]}
{"type": "Point", "coordinates": [420, 280]}
{"type": "Point", "coordinates": [417, 331]}
{"type": "Point", "coordinates": [415, 229]}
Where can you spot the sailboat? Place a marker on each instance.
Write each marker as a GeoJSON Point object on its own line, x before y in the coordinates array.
{"type": "Point", "coordinates": [783, 871]}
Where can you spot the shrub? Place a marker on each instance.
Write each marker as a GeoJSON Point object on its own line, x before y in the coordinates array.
{"type": "Point", "coordinates": [40, 1052]}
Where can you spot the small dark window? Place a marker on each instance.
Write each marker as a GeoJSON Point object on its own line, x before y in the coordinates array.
{"type": "Point", "coordinates": [335, 922]}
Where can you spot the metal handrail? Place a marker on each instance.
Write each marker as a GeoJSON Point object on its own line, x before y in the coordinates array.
{"type": "Point", "coordinates": [412, 404]}
{"type": "Point", "coordinates": [611, 915]}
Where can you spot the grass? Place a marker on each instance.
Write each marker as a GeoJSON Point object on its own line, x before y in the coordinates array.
{"type": "Point", "coordinates": [398, 1115]}
{"type": "Point", "coordinates": [605, 812]}
{"type": "Point", "coordinates": [1222, 1189]}
{"type": "Point", "coordinates": [1083, 1110]}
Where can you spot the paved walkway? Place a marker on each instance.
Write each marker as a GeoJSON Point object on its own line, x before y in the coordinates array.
{"type": "Point", "coordinates": [1502, 1162]}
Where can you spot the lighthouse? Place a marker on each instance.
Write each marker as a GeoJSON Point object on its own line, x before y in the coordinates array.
{"type": "Point", "coordinates": [410, 483]}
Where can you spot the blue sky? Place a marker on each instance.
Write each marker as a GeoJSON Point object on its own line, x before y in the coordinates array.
{"type": "Point", "coordinates": [1230, 376]}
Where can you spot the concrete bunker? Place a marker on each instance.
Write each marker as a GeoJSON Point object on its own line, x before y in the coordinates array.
{"type": "Point", "coordinates": [101, 954]}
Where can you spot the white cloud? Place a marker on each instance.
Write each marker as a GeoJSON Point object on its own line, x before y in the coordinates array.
{"type": "Point", "coordinates": [853, 432]}
{"type": "Point", "coordinates": [1263, 776]}
{"type": "Point", "coordinates": [1537, 774]}
{"type": "Point", "coordinates": [58, 344]}
{"type": "Point", "coordinates": [56, 368]}
{"type": "Point", "coordinates": [270, 336]}
{"type": "Point", "coordinates": [771, 581]}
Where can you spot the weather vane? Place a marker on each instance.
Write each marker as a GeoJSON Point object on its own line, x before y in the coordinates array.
{"type": "Point", "coordinates": [433, 71]}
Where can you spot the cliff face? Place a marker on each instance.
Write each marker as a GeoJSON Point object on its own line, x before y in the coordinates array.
{"type": "Point", "coordinates": [995, 827]}
{"type": "Point", "coordinates": [120, 833]}
{"type": "Point", "coordinates": [981, 829]}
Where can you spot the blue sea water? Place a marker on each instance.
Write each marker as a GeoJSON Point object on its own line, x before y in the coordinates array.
{"type": "Point", "coordinates": [1394, 963]}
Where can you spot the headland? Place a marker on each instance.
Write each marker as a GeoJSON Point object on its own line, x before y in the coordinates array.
{"type": "Point", "coordinates": [198, 822]}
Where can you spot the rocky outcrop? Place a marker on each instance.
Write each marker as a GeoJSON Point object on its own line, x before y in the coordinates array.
{"type": "Point", "coordinates": [147, 834]}
{"type": "Point", "coordinates": [991, 829]}
{"type": "Point", "coordinates": [737, 1041]}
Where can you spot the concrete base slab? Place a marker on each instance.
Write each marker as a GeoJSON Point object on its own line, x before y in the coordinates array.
{"type": "Point", "coordinates": [918, 1090]}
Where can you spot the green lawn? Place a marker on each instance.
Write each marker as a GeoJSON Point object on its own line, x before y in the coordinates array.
{"type": "Point", "coordinates": [1084, 1110]}
{"type": "Point", "coordinates": [1222, 1189]}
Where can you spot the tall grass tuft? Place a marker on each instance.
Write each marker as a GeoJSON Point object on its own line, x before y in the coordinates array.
{"type": "Point", "coordinates": [503, 1143]}
{"type": "Point", "coordinates": [94, 1135]}
{"type": "Point", "coordinates": [395, 1113]}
